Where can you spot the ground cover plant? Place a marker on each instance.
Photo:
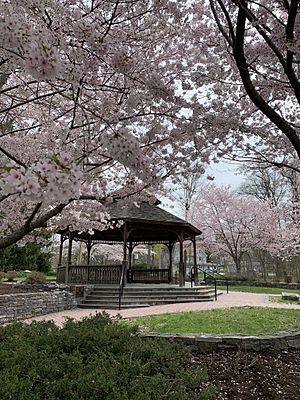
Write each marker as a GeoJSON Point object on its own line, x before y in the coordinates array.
{"type": "Point", "coordinates": [96, 358]}
{"type": "Point", "coordinates": [245, 320]}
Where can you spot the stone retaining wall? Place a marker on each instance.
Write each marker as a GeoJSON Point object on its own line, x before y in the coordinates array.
{"type": "Point", "coordinates": [14, 307]}
{"type": "Point", "coordinates": [206, 343]}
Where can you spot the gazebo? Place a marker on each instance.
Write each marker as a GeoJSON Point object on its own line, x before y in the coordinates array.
{"type": "Point", "coordinates": [131, 226]}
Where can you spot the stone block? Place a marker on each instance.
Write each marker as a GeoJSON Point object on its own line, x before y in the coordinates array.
{"type": "Point", "coordinates": [290, 296]}
{"type": "Point", "coordinates": [294, 343]}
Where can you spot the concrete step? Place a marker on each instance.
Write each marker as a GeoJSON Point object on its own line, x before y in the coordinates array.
{"type": "Point", "coordinates": [151, 289]}
{"type": "Point", "coordinates": [111, 305]}
{"type": "Point", "coordinates": [146, 300]}
{"type": "Point", "coordinates": [135, 296]}
{"type": "Point", "coordinates": [152, 293]}
{"type": "Point", "coordinates": [125, 303]}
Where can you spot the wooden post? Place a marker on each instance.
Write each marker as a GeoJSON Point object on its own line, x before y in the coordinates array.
{"type": "Point", "coordinates": [195, 261]}
{"type": "Point", "coordinates": [125, 261]}
{"type": "Point", "coordinates": [181, 264]}
{"type": "Point", "coordinates": [170, 247]}
{"type": "Point", "coordinates": [149, 257]}
{"type": "Point", "coordinates": [130, 248]}
{"type": "Point", "coordinates": [69, 257]}
{"type": "Point", "coordinates": [60, 250]}
{"type": "Point", "coordinates": [89, 248]}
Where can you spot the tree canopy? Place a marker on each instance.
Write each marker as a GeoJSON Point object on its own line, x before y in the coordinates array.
{"type": "Point", "coordinates": [103, 100]}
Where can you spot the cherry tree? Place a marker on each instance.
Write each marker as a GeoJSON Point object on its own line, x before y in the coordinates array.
{"type": "Point", "coordinates": [90, 107]}
{"type": "Point", "coordinates": [233, 225]}
{"type": "Point", "coordinates": [249, 52]}
{"type": "Point", "coordinates": [101, 99]}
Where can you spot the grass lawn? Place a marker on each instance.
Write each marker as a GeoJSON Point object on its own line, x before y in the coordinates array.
{"type": "Point", "coordinates": [246, 320]}
{"type": "Point", "coordinates": [51, 277]}
{"type": "Point", "coordinates": [254, 289]}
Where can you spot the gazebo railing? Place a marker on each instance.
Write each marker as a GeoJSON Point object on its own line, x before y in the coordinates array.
{"type": "Point", "coordinates": [148, 275]}
{"type": "Point", "coordinates": [91, 274]}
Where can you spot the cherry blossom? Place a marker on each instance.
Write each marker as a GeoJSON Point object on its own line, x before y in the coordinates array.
{"type": "Point", "coordinates": [104, 100]}
{"type": "Point", "coordinates": [234, 226]}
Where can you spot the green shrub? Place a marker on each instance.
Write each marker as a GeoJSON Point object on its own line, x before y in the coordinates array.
{"type": "Point", "coordinates": [36, 277]}
{"type": "Point", "coordinates": [238, 277]}
{"type": "Point", "coordinates": [140, 265]}
{"type": "Point", "coordinates": [93, 359]}
{"type": "Point", "coordinates": [2, 275]}
{"type": "Point", "coordinates": [11, 276]}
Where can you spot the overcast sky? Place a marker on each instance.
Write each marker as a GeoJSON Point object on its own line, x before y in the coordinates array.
{"type": "Point", "coordinates": [224, 174]}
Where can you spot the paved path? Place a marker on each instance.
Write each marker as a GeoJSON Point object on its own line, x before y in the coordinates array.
{"type": "Point", "coordinates": [232, 299]}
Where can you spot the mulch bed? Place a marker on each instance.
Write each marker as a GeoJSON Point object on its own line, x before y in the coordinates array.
{"type": "Point", "coordinates": [253, 376]}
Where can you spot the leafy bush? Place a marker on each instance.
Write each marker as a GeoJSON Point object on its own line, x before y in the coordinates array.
{"type": "Point", "coordinates": [238, 277]}
{"type": "Point", "coordinates": [11, 276]}
{"type": "Point", "coordinates": [2, 275]}
{"type": "Point", "coordinates": [36, 277]}
{"type": "Point", "coordinates": [93, 359]}
{"type": "Point", "coordinates": [140, 265]}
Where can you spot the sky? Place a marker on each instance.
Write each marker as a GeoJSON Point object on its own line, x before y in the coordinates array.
{"type": "Point", "coordinates": [224, 174]}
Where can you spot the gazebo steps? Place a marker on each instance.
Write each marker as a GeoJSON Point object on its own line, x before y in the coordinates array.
{"type": "Point", "coordinates": [158, 290]}
{"type": "Point", "coordinates": [111, 306]}
{"type": "Point", "coordinates": [141, 297]}
{"type": "Point", "coordinates": [151, 296]}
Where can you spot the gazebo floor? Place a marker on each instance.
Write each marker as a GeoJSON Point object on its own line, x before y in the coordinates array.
{"type": "Point", "coordinates": [145, 295]}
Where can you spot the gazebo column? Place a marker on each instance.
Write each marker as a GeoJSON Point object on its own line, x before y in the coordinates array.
{"type": "Point", "coordinates": [181, 263]}
{"type": "Point", "coordinates": [170, 248]}
{"type": "Point", "coordinates": [60, 250]}
{"type": "Point", "coordinates": [130, 249]}
{"type": "Point", "coordinates": [69, 259]}
{"type": "Point", "coordinates": [89, 248]}
{"type": "Point", "coordinates": [125, 260]}
{"type": "Point", "coordinates": [195, 260]}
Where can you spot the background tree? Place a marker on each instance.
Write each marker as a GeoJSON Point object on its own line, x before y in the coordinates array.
{"type": "Point", "coordinates": [232, 225]}
{"type": "Point", "coordinates": [265, 184]}
{"type": "Point", "coordinates": [188, 187]}
{"type": "Point", "coordinates": [31, 256]}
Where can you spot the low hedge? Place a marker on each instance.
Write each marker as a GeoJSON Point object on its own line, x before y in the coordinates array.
{"type": "Point", "coordinates": [93, 359]}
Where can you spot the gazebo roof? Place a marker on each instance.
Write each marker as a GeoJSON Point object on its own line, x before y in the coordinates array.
{"type": "Point", "coordinates": [143, 212]}
{"type": "Point", "coordinates": [146, 223]}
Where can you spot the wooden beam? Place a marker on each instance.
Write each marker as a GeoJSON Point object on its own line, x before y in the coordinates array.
{"type": "Point", "coordinates": [69, 259]}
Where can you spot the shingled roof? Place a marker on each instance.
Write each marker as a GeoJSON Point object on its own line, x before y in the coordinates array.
{"type": "Point", "coordinates": [147, 223]}
{"type": "Point", "coordinates": [143, 212]}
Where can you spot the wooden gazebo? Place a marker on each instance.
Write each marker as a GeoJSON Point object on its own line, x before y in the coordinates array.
{"type": "Point", "coordinates": [131, 226]}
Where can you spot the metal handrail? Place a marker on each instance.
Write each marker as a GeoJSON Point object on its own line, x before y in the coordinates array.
{"type": "Point", "coordinates": [197, 268]}
{"type": "Point", "coordinates": [121, 285]}
{"type": "Point", "coordinates": [223, 278]}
